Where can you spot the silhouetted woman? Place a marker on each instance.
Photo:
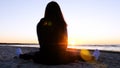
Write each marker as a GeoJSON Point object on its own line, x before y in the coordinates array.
{"type": "Point", "coordinates": [52, 29]}
{"type": "Point", "coordinates": [52, 33]}
{"type": "Point", "coordinates": [52, 37]}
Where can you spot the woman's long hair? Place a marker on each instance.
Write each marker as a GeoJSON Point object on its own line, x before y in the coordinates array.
{"type": "Point", "coordinates": [54, 14]}
{"type": "Point", "coordinates": [52, 29]}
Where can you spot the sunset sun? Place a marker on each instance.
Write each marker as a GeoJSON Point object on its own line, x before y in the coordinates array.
{"type": "Point", "coordinates": [72, 42]}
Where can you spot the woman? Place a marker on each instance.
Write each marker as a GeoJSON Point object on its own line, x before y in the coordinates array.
{"type": "Point", "coordinates": [52, 37]}
{"type": "Point", "coordinates": [51, 30]}
{"type": "Point", "coordinates": [52, 33]}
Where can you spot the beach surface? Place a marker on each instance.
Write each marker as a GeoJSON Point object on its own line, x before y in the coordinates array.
{"type": "Point", "coordinates": [7, 60]}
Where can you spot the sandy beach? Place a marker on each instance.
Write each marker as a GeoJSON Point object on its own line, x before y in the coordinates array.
{"type": "Point", "coordinates": [7, 60]}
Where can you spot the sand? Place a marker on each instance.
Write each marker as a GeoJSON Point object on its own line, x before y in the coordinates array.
{"type": "Point", "coordinates": [106, 60]}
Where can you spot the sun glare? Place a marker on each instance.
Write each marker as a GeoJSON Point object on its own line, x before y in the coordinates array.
{"type": "Point", "coordinates": [72, 42]}
{"type": "Point", "coordinates": [86, 55]}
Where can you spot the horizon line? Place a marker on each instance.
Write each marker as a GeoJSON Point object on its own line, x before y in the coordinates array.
{"type": "Point", "coordinates": [19, 43]}
{"type": "Point", "coordinates": [1, 43]}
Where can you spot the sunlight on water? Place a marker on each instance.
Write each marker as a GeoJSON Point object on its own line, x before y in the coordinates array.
{"type": "Point", "coordinates": [89, 47]}
{"type": "Point", "coordinates": [99, 47]}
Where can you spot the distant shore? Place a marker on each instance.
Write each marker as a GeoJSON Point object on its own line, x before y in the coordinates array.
{"type": "Point", "coordinates": [18, 43]}
{"type": "Point", "coordinates": [2, 43]}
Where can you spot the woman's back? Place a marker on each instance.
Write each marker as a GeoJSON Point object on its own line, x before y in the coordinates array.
{"type": "Point", "coordinates": [52, 34]}
{"type": "Point", "coordinates": [52, 29]}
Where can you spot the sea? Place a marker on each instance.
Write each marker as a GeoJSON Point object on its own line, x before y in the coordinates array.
{"type": "Point", "coordinates": [114, 48]}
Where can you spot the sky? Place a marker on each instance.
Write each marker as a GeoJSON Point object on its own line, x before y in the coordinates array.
{"type": "Point", "coordinates": [88, 21]}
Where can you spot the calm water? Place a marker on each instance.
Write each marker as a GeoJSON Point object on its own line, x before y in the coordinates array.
{"type": "Point", "coordinates": [91, 47]}
{"type": "Point", "coordinates": [99, 47]}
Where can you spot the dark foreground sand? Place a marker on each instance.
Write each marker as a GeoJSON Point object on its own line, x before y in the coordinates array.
{"type": "Point", "coordinates": [106, 60]}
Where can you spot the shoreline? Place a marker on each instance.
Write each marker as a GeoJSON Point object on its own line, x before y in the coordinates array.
{"type": "Point", "coordinates": [69, 49]}
{"type": "Point", "coordinates": [107, 48]}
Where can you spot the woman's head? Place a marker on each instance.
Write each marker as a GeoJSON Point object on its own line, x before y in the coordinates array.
{"type": "Point", "coordinates": [53, 12]}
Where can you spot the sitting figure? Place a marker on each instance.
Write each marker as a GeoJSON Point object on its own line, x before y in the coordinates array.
{"type": "Point", "coordinates": [52, 37]}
